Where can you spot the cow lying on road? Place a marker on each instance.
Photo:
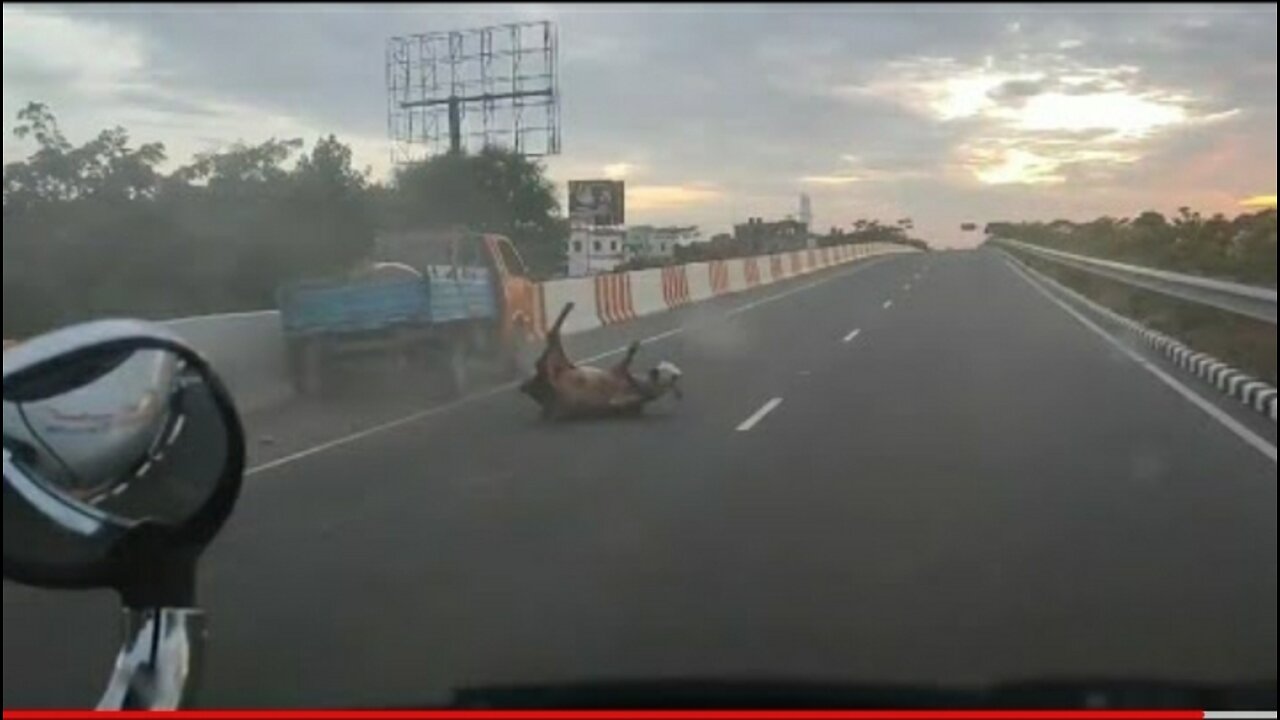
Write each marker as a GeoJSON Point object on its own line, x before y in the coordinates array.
{"type": "Point", "coordinates": [565, 390]}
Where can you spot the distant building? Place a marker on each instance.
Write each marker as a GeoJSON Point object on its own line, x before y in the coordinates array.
{"type": "Point", "coordinates": [595, 249]}
{"type": "Point", "coordinates": [649, 242]}
{"type": "Point", "coordinates": [806, 210]}
{"type": "Point", "coordinates": [758, 237]}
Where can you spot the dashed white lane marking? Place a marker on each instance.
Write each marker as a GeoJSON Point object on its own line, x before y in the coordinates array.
{"type": "Point", "coordinates": [888, 304]}
{"type": "Point", "coordinates": [758, 415]}
{"type": "Point", "coordinates": [906, 286]}
{"type": "Point", "coordinates": [807, 286]}
{"type": "Point", "coordinates": [1230, 423]}
{"type": "Point", "coordinates": [853, 334]}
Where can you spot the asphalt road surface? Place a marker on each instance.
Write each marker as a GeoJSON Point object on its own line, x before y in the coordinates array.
{"type": "Point", "coordinates": [914, 469]}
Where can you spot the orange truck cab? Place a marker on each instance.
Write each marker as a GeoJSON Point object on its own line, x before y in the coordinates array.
{"type": "Point", "coordinates": [521, 308]}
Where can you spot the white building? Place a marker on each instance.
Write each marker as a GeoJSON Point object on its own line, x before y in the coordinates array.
{"type": "Point", "coordinates": [595, 249]}
{"type": "Point", "coordinates": [647, 241]}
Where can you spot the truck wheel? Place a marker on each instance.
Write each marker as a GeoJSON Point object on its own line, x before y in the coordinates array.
{"type": "Point", "coordinates": [311, 369]}
{"type": "Point", "coordinates": [520, 355]}
{"type": "Point", "coordinates": [459, 370]}
{"type": "Point", "coordinates": [446, 369]}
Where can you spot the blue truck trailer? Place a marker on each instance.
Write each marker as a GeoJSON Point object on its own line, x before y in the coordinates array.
{"type": "Point", "coordinates": [458, 299]}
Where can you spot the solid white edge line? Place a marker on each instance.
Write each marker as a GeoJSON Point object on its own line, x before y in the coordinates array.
{"type": "Point", "coordinates": [490, 392]}
{"type": "Point", "coordinates": [851, 335]}
{"type": "Point", "coordinates": [758, 415]}
{"type": "Point", "coordinates": [347, 439]}
{"type": "Point", "coordinates": [1251, 438]}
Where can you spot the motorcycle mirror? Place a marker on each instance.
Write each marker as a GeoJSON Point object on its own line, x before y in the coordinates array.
{"type": "Point", "coordinates": [123, 457]}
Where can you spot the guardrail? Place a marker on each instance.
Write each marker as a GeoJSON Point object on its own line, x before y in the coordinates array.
{"type": "Point", "coordinates": [1247, 300]}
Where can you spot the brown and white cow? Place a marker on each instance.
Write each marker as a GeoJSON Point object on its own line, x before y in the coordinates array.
{"type": "Point", "coordinates": [565, 390]}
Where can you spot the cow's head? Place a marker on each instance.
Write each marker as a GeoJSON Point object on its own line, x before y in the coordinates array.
{"type": "Point", "coordinates": [664, 377]}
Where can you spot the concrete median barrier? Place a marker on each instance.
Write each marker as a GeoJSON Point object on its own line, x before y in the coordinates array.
{"type": "Point", "coordinates": [647, 292]}
{"type": "Point", "coordinates": [248, 352]}
{"type": "Point", "coordinates": [581, 292]}
{"type": "Point", "coordinates": [699, 281]}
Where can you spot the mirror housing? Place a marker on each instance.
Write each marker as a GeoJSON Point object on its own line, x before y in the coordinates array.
{"type": "Point", "coordinates": [140, 527]}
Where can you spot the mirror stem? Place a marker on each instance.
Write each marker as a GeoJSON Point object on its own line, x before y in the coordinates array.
{"type": "Point", "coordinates": [160, 661]}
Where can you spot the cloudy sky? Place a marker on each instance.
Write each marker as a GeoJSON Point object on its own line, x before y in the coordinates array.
{"type": "Point", "coordinates": [945, 114]}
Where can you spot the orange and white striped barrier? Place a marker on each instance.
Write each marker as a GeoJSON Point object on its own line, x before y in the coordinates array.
{"type": "Point", "coordinates": [620, 297]}
{"type": "Point", "coordinates": [737, 271]}
{"type": "Point", "coordinates": [718, 272]}
{"type": "Point", "coordinates": [751, 272]}
{"type": "Point", "coordinates": [776, 271]}
{"type": "Point", "coordinates": [675, 286]}
{"type": "Point", "coordinates": [613, 298]}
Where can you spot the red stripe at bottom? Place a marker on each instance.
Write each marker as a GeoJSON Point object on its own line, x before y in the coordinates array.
{"type": "Point", "coordinates": [627, 714]}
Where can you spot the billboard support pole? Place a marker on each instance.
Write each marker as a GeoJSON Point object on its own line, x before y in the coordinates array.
{"type": "Point", "coordinates": [455, 126]}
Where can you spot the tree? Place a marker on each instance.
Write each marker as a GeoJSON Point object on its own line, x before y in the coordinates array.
{"type": "Point", "coordinates": [494, 191]}
{"type": "Point", "coordinates": [332, 200]}
{"type": "Point", "coordinates": [1243, 248]}
{"type": "Point", "coordinates": [58, 171]}
{"type": "Point", "coordinates": [96, 230]}
{"type": "Point", "coordinates": [69, 213]}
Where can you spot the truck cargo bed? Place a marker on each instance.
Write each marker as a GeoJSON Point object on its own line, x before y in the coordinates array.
{"type": "Point", "coordinates": [338, 307]}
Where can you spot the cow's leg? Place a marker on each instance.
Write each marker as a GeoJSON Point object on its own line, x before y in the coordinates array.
{"type": "Point", "coordinates": [624, 365]}
{"type": "Point", "coordinates": [555, 360]}
{"type": "Point", "coordinates": [550, 364]}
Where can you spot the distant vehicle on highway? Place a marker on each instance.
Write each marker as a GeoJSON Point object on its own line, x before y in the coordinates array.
{"type": "Point", "coordinates": [435, 301]}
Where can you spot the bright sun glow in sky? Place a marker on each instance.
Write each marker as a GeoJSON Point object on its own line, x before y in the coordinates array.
{"type": "Point", "coordinates": [1259, 201]}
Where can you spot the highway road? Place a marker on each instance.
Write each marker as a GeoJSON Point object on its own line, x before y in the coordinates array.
{"type": "Point", "coordinates": [919, 468]}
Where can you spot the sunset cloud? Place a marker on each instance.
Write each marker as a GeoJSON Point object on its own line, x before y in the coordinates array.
{"type": "Point", "coordinates": [1027, 120]}
{"type": "Point", "coordinates": [618, 170]}
{"type": "Point", "coordinates": [1259, 201]}
{"type": "Point", "coordinates": [663, 197]}
{"type": "Point", "coordinates": [830, 179]}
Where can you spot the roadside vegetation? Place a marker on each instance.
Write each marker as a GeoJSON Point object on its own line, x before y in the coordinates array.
{"type": "Point", "coordinates": [96, 229]}
{"type": "Point", "coordinates": [1242, 249]}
